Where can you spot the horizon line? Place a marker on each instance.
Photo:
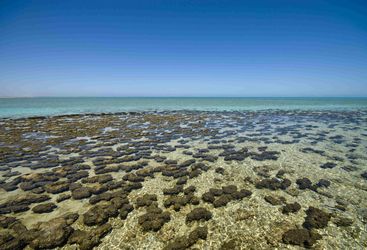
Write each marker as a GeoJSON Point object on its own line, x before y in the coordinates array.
{"type": "Point", "coordinates": [15, 97]}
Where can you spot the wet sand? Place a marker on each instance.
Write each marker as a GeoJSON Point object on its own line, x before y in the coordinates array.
{"type": "Point", "coordinates": [185, 179]}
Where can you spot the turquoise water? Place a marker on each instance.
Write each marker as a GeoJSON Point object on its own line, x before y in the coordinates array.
{"type": "Point", "coordinates": [24, 107]}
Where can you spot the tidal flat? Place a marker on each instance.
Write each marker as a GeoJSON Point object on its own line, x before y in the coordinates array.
{"type": "Point", "coordinates": [270, 179]}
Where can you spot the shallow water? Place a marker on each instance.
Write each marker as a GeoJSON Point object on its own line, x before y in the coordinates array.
{"type": "Point", "coordinates": [229, 148]}
{"type": "Point", "coordinates": [25, 107]}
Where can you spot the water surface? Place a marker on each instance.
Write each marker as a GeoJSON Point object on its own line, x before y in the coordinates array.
{"type": "Point", "coordinates": [23, 107]}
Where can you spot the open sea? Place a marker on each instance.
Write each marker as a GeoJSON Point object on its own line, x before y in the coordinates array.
{"type": "Point", "coordinates": [25, 107]}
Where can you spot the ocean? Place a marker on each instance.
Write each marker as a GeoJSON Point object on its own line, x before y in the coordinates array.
{"type": "Point", "coordinates": [25, 107]}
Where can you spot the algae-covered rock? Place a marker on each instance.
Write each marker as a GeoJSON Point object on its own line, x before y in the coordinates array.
{"type": "Point", "coordinates": [301, 237]}
{"type": "Point", "coordinates": [198, 214]}
{"type": "Point", "coordinates": [44, 208]}
{"type": "Point", "coordinates": [316, 218]}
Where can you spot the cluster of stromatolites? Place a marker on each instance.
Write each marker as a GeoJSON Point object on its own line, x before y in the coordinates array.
{"type": "Point", "coordinates": [79, 177]}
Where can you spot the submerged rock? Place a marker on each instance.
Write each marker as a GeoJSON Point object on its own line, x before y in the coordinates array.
{"type": "Point", "coordinates": [216, 191]}
{"type": "Point", "coordinates": [9, 242]}
{"type": "Point", "coordinates": [125, 210]}
{"type": "Point", "coordinates": [316, 218]}
{"type": "Point", "coordinates": [274, 200]}
{"type": "Point", "coordinates": [238, 195]}
{"type": "Point", "coordinates": [173, 191]}
{"type": "Point", "coordinates": [81, 193]}
{"type": "Point", "coordinates": [304, 183]}
{"type": "Point", "coordinates": [219, 170]}
{"type": "Point", "coordinates": [51, 234]}
{"type": "Point", "coordinates": [57, 187]}
{"type": "Point", "coordinates": [183, 242]}
{"type": "Point", "coordinates": [198, 214]}
{"type": "Point", "coordinates": [328, 165]}
{"type": "Point", "coordinates": [99, 214]}
{"type": "Point", "coordinates": [6, 221]}
{"type": "Point", "coordinates": [208, 197]}
{"type": "Point", "coordinates": [63, 197]}
{"type": "Point", "coordinates": [222, 200]}
{"type": "Point", "coordinates": [89, 239]}
{"type": "Point", "coordinates": [153, 219]}
{"type": "Point", "coordinates": [21, 203]}
{"type": "Point", "coordinates": [229, 245]}
{"type": "Point", "coordinates": [323, 183]}
{"type": "Point", "coordinates": [187, 163]}
{"type": "Point", "coordinates": [273, 184]}
{"type": "Point", "coordinates": [291, 208]}
{"type": "Point", "coordinates": [44, 208]}
{"type": "Point", "coordinates": [301, 237]}
{"type": "Point", "coordinates": [146, 200]}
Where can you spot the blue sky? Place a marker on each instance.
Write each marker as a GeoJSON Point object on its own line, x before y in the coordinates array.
{"type": "Point", "coordinates": [183, 48]}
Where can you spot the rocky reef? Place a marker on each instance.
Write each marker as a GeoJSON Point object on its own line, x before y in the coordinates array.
{"type": "Point", "coordinates": [185, 180]}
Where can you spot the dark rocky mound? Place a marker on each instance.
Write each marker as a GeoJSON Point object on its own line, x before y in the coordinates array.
{"type": "Point", "coordinates": [224, 195]}
{"type": "Point", "coordinates": [184, 242]}
{"type": "Point", "coordinates": [99, 214]}
{"type": "Point", "coordinates": [108, 196]}
{"type": "Point", "coordinates": [57, 187]}
{"type": "Point", "coordinates": [273, 184]}
{"type": "Point", "coordinates": [53, 233]}
{"type": "Point", "coordinates": [153, 219]}
{"type": "Point", "coordinates": [187, 163]}
{"type": "Point", "coordinates": [198, 214]}
{"type": "Point", "coordinates": [208, 197]}
{"type": "Point", "coordinates": [316, 218]}
{"type": "Point", "coordinates": [81, 193]}
{"type": "Point", "coordinates": [173, 191]}
{"type": "Point", "coordinates": [222, 200]}
{"type": "Point", "coordinates": [301, 237]}
{"type": "Point", "coordinates": [180, 201]}
{"type": "Point", "coordinates": [63, 197]}
{"type": "Point", "coordinates": [125, 210]}
{"type": "Point", "coordinates": [6, 221]}
{"type": "Point", "coordinates": [89, 239]}
{"type": "Point", "coordinates": [229, 245]}
{"type": "Point", "coordinates": [291, 208]}
{"type": "Point", "coordinates": [44, 208]}
{"type": "Point", "coordinates": [274, 200]}
{"type": "Point", "coordinates": [181, 181]}
{"type": "Point", "coordinates": [98, 179]}
{"type": "Point", "coordinates": [9, 242]}
{"type": "Point", "coordinates": [304, 183]}
{"type": "Point", "coordinates": [265, 155]}
{"type": "Point", "coordinates": [323, 183]}
{"type": "Point", "coordinates": [219, 170]}
{"type": "Point", "coordinates": [146, 200]}
{"type": "Point", "coordinates": [328, 165]}
{"type": "Point", "coordinates": [21, 204]}
{"type": "Point", "coordinates": [216, 191]}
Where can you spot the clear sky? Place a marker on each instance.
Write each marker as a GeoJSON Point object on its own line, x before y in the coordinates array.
{"type": "Point", "coordinates": [183, 48]}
